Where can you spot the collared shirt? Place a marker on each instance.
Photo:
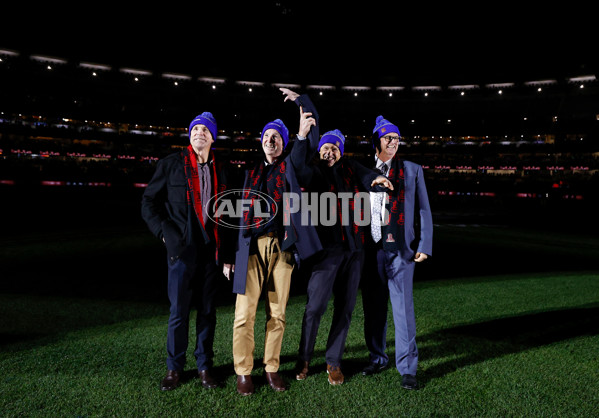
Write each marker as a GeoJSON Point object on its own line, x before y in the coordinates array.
{"type": "Point", "coordinates": [382, 166]}
{"type": "Point", "coordinates": [205, 187]}
{"type": "Point", "coordinates": [378, 201]}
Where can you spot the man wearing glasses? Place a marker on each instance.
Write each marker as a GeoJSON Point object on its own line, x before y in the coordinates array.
{"type": "Point", "coordinates": [402, 235]}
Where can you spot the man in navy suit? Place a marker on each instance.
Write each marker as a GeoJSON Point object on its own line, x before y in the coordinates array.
{"type": "Point", "coordinates": [174, 206]}
{"type": "Point", "coordinates": [402, 235]}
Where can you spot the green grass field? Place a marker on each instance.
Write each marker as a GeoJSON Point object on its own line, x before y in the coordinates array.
{"type": "Point", "coordinates": [515, 335]}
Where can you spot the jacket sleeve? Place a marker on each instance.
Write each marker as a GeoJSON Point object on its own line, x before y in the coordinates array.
{"type": "Point", "coordinates": [314, 134]}
{"type": "Point", "coordinates": [153, 210]}
{"type": "Point", "coordinates": [366, 176]}
{"type": "Point", "coordinates": [423, 215]}
{"type": "Point", "coordinates": [303, 151]}
{"type": "Point", "coordinates": [299, 161]}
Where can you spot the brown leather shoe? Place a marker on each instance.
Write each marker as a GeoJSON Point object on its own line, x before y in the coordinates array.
{"type": "Point", "coordinates": [170, 381]}
{"type": "Point", "coordinates": [207, 381]}
{"type": "Point", "coordinates": [275, 381]}
{"type": "Point", "coordinates": [245, 386]}
{"type": "Point", "coordinates": [301, 370]}
{"type": "Point", "coordinates": [335, 375]}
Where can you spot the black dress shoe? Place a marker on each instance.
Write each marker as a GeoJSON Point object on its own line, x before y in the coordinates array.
{"type": "Point", "coordinates": [207, 381]}
{"type": "Point", "coordinates": [245, 386]}
{"type": "Point", "coordinates": [170, 381]}
{"type": "Point", "coordinates": [409, 382]}
{"type": "Point", "coordinates": [275, 381]}
{"type": "Point", "coordinates": [374, 368]}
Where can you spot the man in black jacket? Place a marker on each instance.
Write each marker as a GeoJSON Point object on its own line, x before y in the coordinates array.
{"type": "Point", "coordinates": [175, 210]}
{"type": "Point", "coordinates": [336, 270]}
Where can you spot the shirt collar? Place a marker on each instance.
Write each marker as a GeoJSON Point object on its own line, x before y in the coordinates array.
{"type": "Point", "coordinates": [379, 163]}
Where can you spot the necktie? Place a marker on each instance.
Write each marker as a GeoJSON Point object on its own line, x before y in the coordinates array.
{"type": "Point", "coordinates": [377, 203]}
{"type": "Point", "coordinates": [383, 169]}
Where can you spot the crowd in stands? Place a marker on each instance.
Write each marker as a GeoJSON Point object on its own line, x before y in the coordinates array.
{"type": "Point", "coordinates": [34, 150]}
{"type": "Point", "coordinates": [47, 136]}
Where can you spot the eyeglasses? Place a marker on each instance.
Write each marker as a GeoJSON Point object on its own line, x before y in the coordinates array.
{"type": "Point", "coordinates": [389, 139]}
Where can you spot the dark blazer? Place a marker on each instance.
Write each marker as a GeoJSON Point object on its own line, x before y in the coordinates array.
{"type": "Point", "coordinates": [314, 177]}
{"type": "Point", "coordinates": [306, 243]}
{"type": "Point", "coordinates": [167, 213]}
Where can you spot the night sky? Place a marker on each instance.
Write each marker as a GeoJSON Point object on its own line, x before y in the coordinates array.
{"type": "Point", "coordinates": [292, 41]}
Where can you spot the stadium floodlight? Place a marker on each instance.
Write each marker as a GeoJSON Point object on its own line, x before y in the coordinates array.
{"type": "Point", "coordinates": [582, 79]}
{"type": "Point", "coordinates": [8, 52]}
{"type": "Point", "coordinates": [47, 59]}
{"type": "Point", "coordinates": [426, 88]}
{"type": "Point", "coordinates": [93, 66]}
{"type": "Point", "coordinates": [463, 87]}
{"type": "Point", "coordinates": [286, 86]}
{"type": "Point", "coordinates": [355, 88]}
{"type": "Point", "coordinates": [540, 82]}
{"type": "Point", "coordinates": [320, 87]}
{"type": "Point", "coordinates": [212, 80]}
{"type": "Point", "coordinates": [499, 86]}
{"type": "Point", "coordinates": [173, 76]}
{"type": "Point", "coordinates": [251, 83]}
{"type": "Point", "coordinates": [135, 71]}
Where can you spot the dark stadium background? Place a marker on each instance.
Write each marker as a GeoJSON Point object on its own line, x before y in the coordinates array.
{"type": "Point", "coordinates": [302, 44]}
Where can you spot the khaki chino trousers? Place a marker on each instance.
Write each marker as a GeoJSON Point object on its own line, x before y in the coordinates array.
{"type": "Point", "coordinates": [269, 269]}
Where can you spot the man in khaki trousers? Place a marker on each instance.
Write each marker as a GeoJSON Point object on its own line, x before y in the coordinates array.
{"type": "Point", "coordinates": [270, 267]}
{"type": "Point", "coordinates": [265, 258]}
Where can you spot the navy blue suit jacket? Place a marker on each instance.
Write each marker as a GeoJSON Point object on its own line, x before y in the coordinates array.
{"type": "Point", "coordinates": [418, 225]}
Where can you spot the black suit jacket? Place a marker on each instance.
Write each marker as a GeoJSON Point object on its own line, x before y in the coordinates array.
{"type": "Point", "coordinates": [167, 212]}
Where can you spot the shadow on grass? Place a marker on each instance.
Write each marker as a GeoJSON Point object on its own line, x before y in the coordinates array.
{"type": "Point", "coordinates": [475, 343]}
{"type": "Point", "coordinates": [223, 372]}
{"type": "Point", "coordinates": [32, 321]}
{"type": "Point", "coordinates": [448, 349]}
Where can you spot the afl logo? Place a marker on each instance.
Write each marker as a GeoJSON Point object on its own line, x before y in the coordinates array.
{"type": "Point", "coordinates": [231, 206]}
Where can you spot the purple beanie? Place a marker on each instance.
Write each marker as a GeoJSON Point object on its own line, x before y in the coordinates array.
{"type": "Point", "coordinates": [280, 127]}
{"type": "Point", "coordinates": [383, 127]}
{"type": "Point", "coordinates": [334, 137]}
{"type": "Point", "coordinates": [207, 120]}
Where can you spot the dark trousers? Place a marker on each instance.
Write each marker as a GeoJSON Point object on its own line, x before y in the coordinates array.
{"type": "Point", "coordinates": [334, 272]}
{"type": "Point", "coordinates": [192, 284]}
{"type": "Point", "coordinates": [394, 281]}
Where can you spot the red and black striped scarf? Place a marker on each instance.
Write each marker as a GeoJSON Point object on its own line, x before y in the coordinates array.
{"type": "Point", "coordinates": [194, 193]}
{"type": "Point", "coordinates": [275, 187]}
{"type": "Point", "coordinates": [395, 207]}
{"type": "Point", "coordinates": [350, 184]}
